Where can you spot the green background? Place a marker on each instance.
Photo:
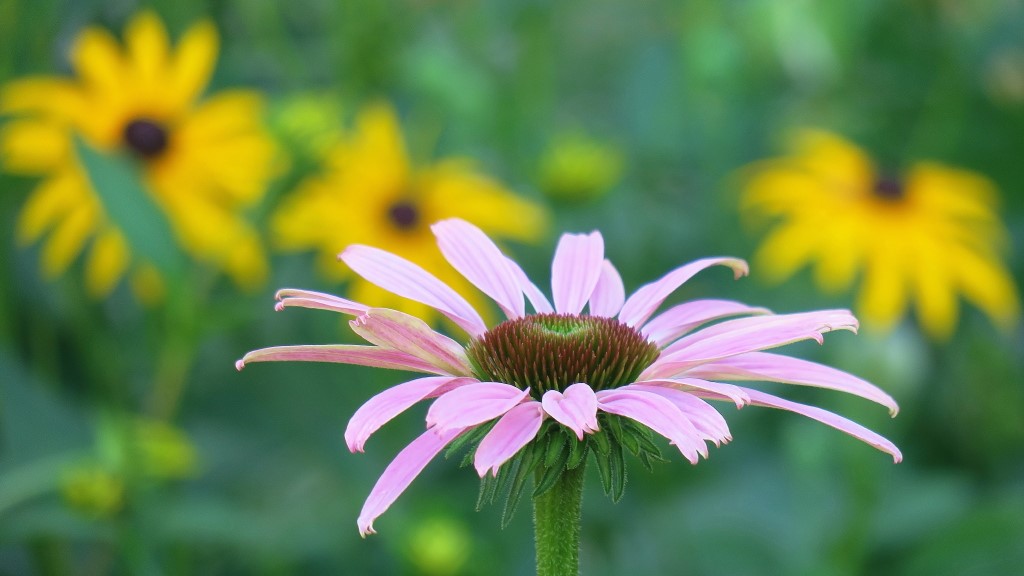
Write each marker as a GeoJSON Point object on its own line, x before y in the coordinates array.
{"type": "Point", "coordinates": [690, 92]}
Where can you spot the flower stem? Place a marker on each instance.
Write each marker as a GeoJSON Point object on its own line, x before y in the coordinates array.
{"type": "Point", "coordinates": [556, 523]}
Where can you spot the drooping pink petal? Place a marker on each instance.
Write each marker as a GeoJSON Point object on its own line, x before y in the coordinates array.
{"type": "Point", "coordinates": [575, 270]}
{"type": "Point", "coordinates": [609, 293]}
{"type": "Point", "coordinates": [639, 307]}
{"type": "Point", "coordinates": [399, 331]}
{"type": "Point", "coordinates": [850, 427]}
{"type": "Point", "coordinates": [289, 297]}
{"type": "Point", "coordinates": [576, 408]}
{"type": "Point", "coordinates": [341, 354]}
{"type": "Point", "coordinates": [398, 275]}
{"type": "Point", "coordinates": [704, 417]}
{"type": "Point", "coordinates": [400, 473]}
{"type": "Point", "coordinates": [682, 318]}
{"type": "Point", "coordinates": [658, 414]}
{"type": "Point", "coordinates": [743, 335]}
{"type": "Point", "coordinates": [473, 404]}
{"type": "Point", "coordinates": [730, 391]}
{"type": "Point", "coordinates": [778, 368]}
{"type": "Point", "coordinates": [477, 258]}
{"type": "Point", "coordinates": [380, 409]}
{"type": "Point", "coordinates": [512, 431]}
{"type": "Point", "coordinates": [533, 294]}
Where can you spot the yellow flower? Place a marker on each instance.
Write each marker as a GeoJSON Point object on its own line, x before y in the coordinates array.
{"type": "Point", "coordinates": [370, 194]}
{"type": "Point", "coordinates": [201, 161]}
{"type": "Point", "coordinates": [927, 236]}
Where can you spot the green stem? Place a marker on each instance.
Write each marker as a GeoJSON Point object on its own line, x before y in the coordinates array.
{"type": "Point", "coordinates": [556, 522]}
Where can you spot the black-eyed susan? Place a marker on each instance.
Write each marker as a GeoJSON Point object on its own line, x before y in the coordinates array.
{"type": "Point", "coordinates": [201, 161]}
{"type": "Point", "coordinates": [370, 193]}
{"type": "Point", "coordinates": [926, 236]}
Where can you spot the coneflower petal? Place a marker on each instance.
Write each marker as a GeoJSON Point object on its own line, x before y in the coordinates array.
{"type": "Point", "coordinates": [400, 473]}
{"type": "Point", "coordinates": [342, 354]}
{"type": "Point", "coordinates": [477, 258]}
{"type": "Point", "coordinates": [380, 409]}
{"type": "Point", "coordinates": [398, 275]}
{"type": "Point", "coordinates": [682, 318]}
{"type": "Point", "coordinates": [289, 297]}
{"type": "Point", "coordinates": [576, 408]}
{"type": "Point", "coordinates": [702, 415]}
{"type": "Point", "coordinates": [850, 427]}
{"type": "Point", "coordinates": [658, 414]}
{"type": "Point", "coordinates": [609, 293]}
{"type": "Point", "coordinates": [512, 431]}
{"type": "Point", "coordinates": [639, 307]}
{"type": "Point", "coordinates": [473, 404]}
{"type": "Point", "coordinates": [575, 270]}
{"type": "Point", "coordinates": [399, 331]}
{"type": "Point", "coordinates": [778, 368]}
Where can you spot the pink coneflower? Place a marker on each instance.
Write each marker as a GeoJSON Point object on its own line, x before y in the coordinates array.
{"type": "Point", "coordinates": [539, 391]}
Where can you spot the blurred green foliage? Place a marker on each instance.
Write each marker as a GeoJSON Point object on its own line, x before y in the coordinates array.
{"type": "Point", "coordinates": [688, 92]}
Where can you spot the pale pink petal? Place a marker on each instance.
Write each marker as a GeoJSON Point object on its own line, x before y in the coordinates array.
{"type": "Point", "coordinates": [576, 408]}
{"type": "Point", "coordinates": [702, 415]}
{"type": "Point", "coordinates": [575, 270]}
{"type": "Point", "coordinates": [477, 258]}
{"type": "Point", "coordinates": [730, 391]}
{"type": "Point", "coordinates": [778, 368]}
{"type": "Point", "coordinates": [309, 299]}
{"type": "Point", "coordinates": [742, 335]}
{"type": "Point", "coordinates": [380, 409]}
{"type": "Point", "coordinates": [342, 354]}
{"type": "Point", "coordinates": [513, 431]}
{"type": "Point", "coordinates": [680, 319]}
{"type": "Point", "coordinates": [399, 331]}
{"type": "Point", "coordinates": [609, 293]}
{"type": "Point", "coordinates": [533, 294]}
{"type": "Point", "coordinates": [474, 404]}
{"type": "Point", "coordinates": [400, 473]}
{"type": "Point", "coordinates": [639, 307]}
{"type": "Point", "coordinates": [398, 275]}
{"type": "Point", "coordinates": [658, 414]}
{"type": "Point", "coordinates": [758, 398]}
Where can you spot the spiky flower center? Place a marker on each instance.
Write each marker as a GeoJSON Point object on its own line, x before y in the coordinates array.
{"type": "Point", "coordinates": [554, 351]}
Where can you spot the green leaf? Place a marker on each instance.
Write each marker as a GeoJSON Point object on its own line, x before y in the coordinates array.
{"type": "Point", "coordinates": [557, 445]}
{"type": "Point", "coordinates": [577, 453]}
{"type": "Point", "coordinates": [117, 181]}
{"type": "Point", "coordinates": [618, 472]}
{"type": "Point", "coordinates": [552, 472]}
{"type": "Point", "coordinates": [526, 466]}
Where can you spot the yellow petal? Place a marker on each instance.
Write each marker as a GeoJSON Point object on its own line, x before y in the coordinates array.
{"type": "Point", "coordinates": [379, 144]}
{"type": "Point", "coordinates": [107, 262]}
{"type": "Point", "coordinates": [52, 199]}
{"type": "Point", "coordinates": [68, 239]}
{"type": "Point", "coordinates": [452, 188]}
{"type": "Point", "coordinates": [988, 285]}
{"type": "Point", "coordinates": [844, 167]}
{"type": "Point", "coordinates": [147, 46]}
{"type": "Point", "coordinates": [883, 296]}
{"type": "Point", "coordinates": [192, 64]}
{"type": "Point", "coordinates": [787, 249]}
{"type": "Point", "coordinates": [936, 300]}
{"type": "Point", "coordinates": [56, 98]}
{"type": "Point", "coordinates": [227, 113]}
{"type": "Point", "coordinates": [33, 146]}
{"type": "Point", "coordinates": [97, 60]}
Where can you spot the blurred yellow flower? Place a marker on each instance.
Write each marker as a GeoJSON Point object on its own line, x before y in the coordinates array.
{"type": "Point", "coordinates": [370, 194]}
{"type": "Point", "coordinates": [202, 161]}
{"type": "Point", "coordinates": [577, 168]}
{"type": "Point", "coordinates": [93, 490]}
{"type": "Point", "coordinates": [927, 236]}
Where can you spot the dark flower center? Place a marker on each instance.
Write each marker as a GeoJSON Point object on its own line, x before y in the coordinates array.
{"type": "Point", "coordinates": [889, 188]}
{"type": "Point", "coordinates": [404, 215]}
{"type": "Point", "coordinates": [145, 137]}
{"type": "Point", "coordinates": [554, 351]}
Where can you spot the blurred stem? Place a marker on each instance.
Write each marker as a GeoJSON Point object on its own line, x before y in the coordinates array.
{"type": "Point", "coordinates": [556, 522]}
{"type": "Point", "coordinates": [32, 480]}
